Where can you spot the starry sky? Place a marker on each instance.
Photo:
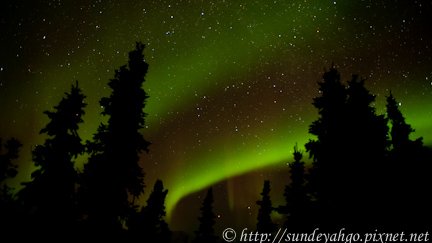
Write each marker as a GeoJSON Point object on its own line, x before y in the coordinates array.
{"type": "Point", "coordinates": [230, 82]}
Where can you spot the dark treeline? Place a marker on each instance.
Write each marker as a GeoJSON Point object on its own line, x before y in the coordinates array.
{"type": "Point", "coordinates": [367, 172]}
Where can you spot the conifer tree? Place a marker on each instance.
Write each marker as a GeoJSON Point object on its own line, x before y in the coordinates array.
{"type": "Point", "coordinates": [265, 223]}
{"type": "Point", "coordinates": [365, 154]}
{"type": "Point", "coordinates": [51, 197]}
{"type": "Point", "coordinates": [205, 232]}
{"type": "Point", "coordinates": [113, 178]}
{"type": "Point", "coordinates": [8, 205]}
{"type": "Point", "coordinates": [150, 221]}
{"type": "Point", "coordinates": [7, 169]}
{"type": "Point", "coordinates": [409, 160]}
{"type": "Point", "coordinates": [367, 130]}
{"type": "Point", "coordinates": [328, 129]}
{"type": "Point", "coordinates": [351, 145]}
{"type": "Point", "coordinates": [297, 205]}
{"type": "Point", "coordinates": [400, 130]}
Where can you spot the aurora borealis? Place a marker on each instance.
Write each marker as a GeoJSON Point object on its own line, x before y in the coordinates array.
{"type": "Point", "coordinates": [230, 82]}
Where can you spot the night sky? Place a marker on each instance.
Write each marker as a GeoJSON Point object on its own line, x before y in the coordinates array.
{"type": "Point", "coordinates": [230, 82]}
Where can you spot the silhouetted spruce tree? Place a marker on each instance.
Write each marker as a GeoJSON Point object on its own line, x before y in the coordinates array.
{"type": "Point", "coordinates": [9, 219]}
{"type": "Point", "coordinates": [328, 128]}
{"type": "Point", "coordinates": [400, 130]}
{"type": "Point", "coordinates": [205, 232]}
{"type": "Point", "coordinates": [7, 169]}
{"type": "Point", "coordinates": [51, 197]}
{"type": "Point", "coordinates": [409, 166]}
{"type": "Point", "coordinates": [331, 107]}
{"type": "Point", "coordinates": [297, 205]}
{"type": "Point", "coordinates": [265, 223]}
{"type": "Point", "coordinates": [113, 178]}
{"type": "Point", "coordinates": [367, 136]}
{"type": "Point", "coordinates": [350, 146]}
{"type": "Point", "coordinates": [150, 221]}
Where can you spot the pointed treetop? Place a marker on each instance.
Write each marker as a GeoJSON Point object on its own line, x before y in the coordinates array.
{"type": "Point", "coordinates": [136, 59]}
{"type": "Point", "coordinates": [68, 113]}
{"type": "Point", "coordinates": [298, 155]}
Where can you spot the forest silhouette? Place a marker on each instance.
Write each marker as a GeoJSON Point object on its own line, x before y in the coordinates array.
{"type": "Point", "coordinates": [366, 171]}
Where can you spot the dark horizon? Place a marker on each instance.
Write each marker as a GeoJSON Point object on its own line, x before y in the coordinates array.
{"type": "Point", "coordinates": [348, 129]}
{"type": "Point", "coordinates": [230, 85]}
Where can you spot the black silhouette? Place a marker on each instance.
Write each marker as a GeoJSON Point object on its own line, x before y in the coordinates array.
{"type": "Point", "coordinates": [348, 154]}
{"type": "Point", "coordinates": [297, 207]}
{"type": "Point", "coordinates": [205, 232]}
{"type": "Point", "coordinates": [50, 198]}
{"type": "Point", "coordinates": [409, 167]}
{"type": "Point", "coordinates": [9, 209]}
{"type": "Point", "coordinates": [7, 169]}
{"type": "Point", "coordinates": [400, 130]}
{"type": "Point", "coordinates": [365, 175]}
{"type": "Point", "coordinates": [265, 223]}
{"type": "Point", "coordinates": [112, 178]}
{"type": "Point", "coordinates": [150, 223]}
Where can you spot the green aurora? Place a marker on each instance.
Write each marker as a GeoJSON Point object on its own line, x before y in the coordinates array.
{"type": "Point", "coordinates": [230, 82]}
